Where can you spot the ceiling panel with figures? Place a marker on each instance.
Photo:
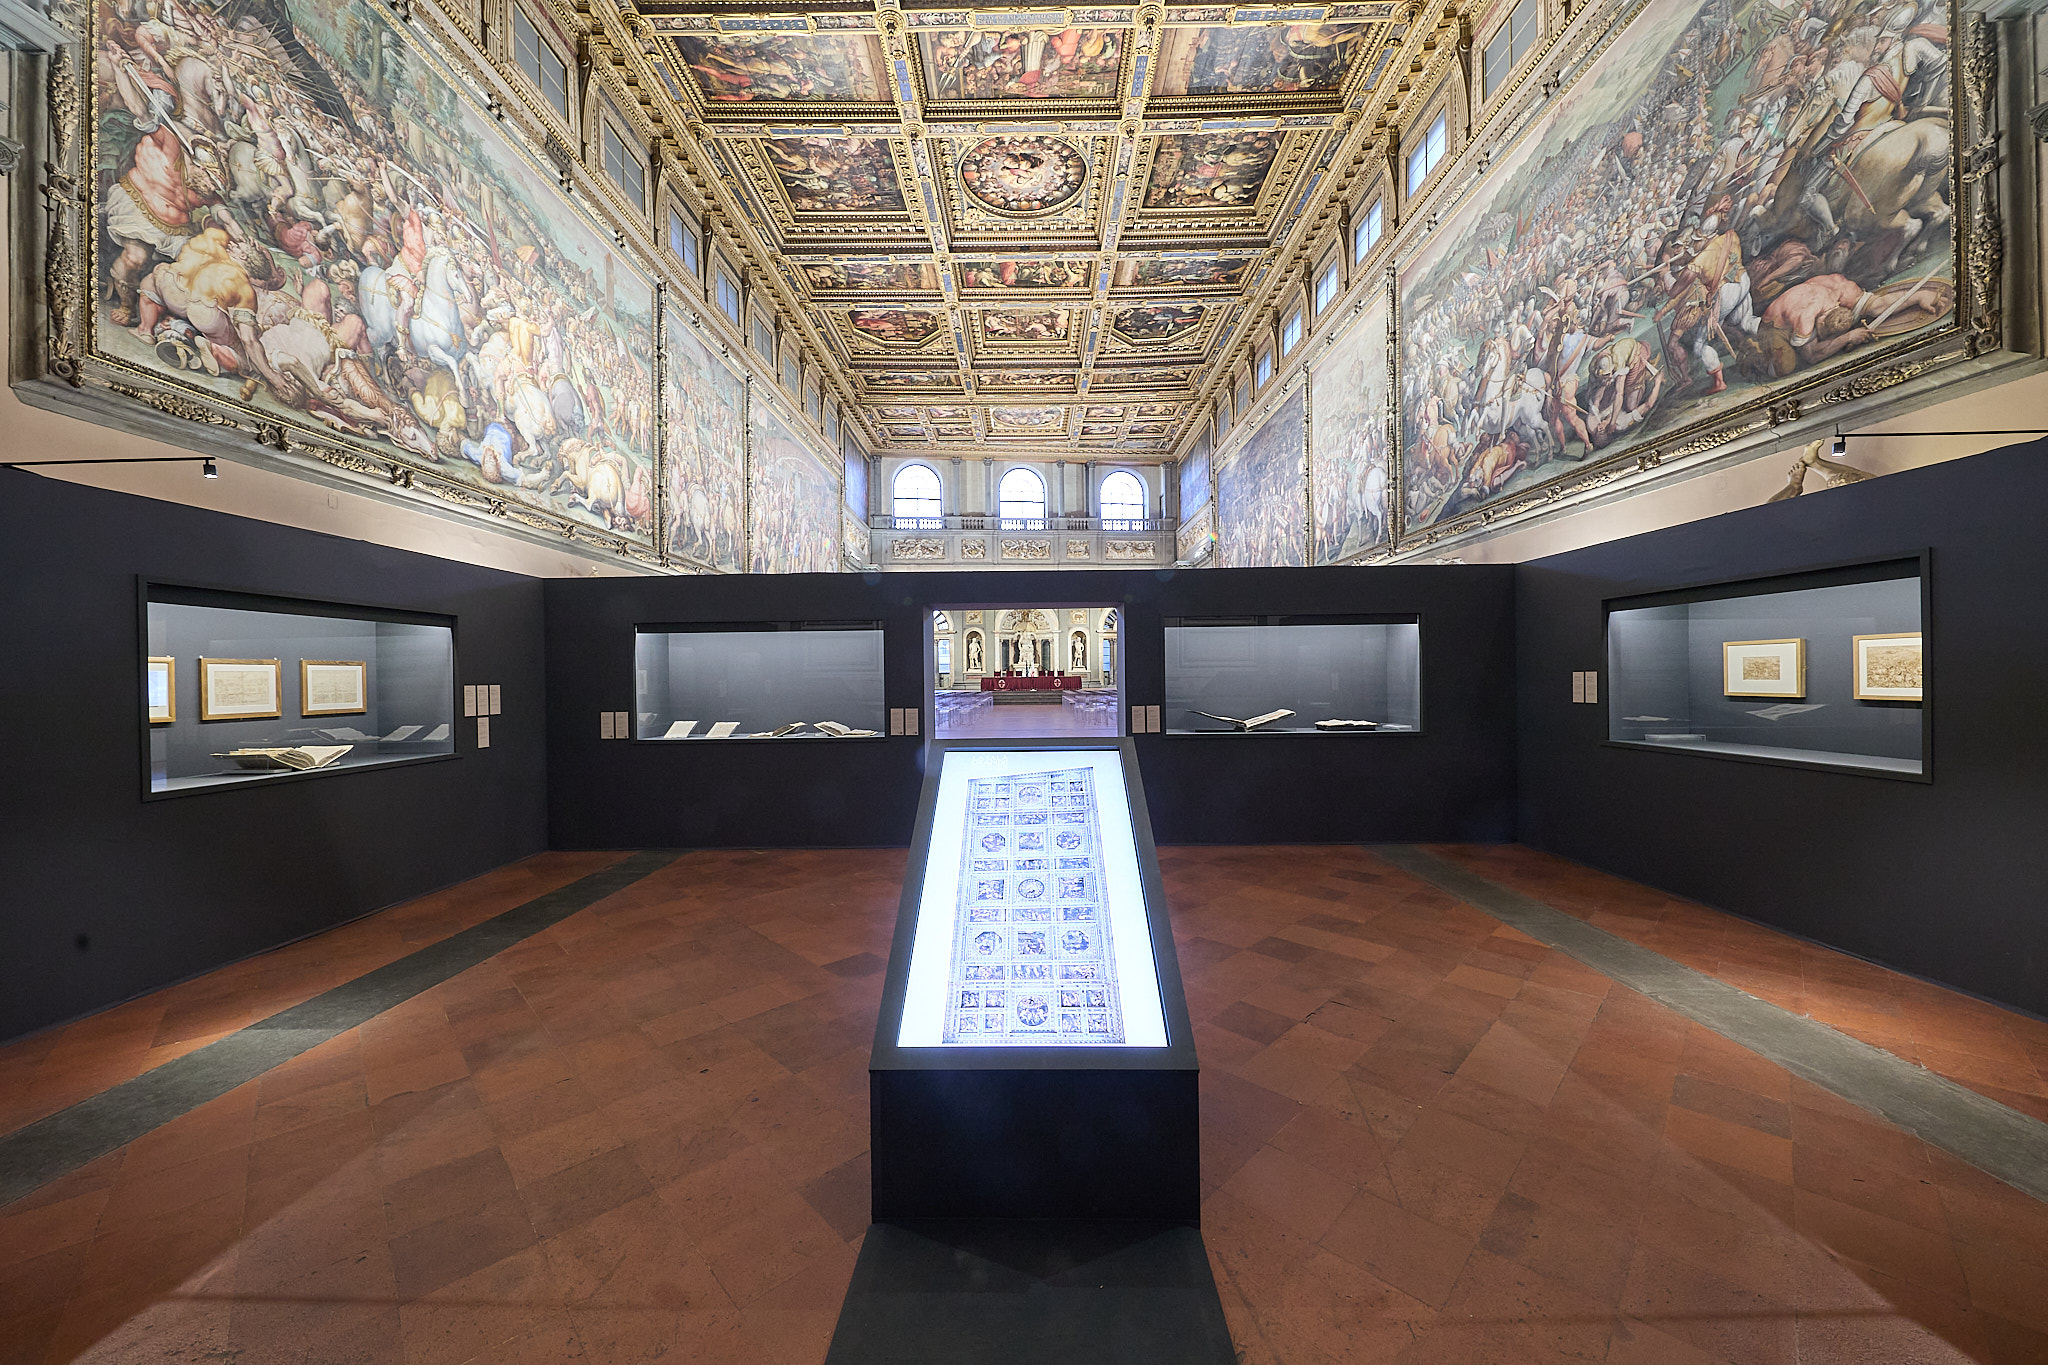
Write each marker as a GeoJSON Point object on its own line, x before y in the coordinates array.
{"type": "Point", "coordinates": [1036, 225]}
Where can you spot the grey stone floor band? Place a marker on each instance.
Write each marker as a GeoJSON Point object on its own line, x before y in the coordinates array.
{"type": "Point", "coordinates": [34, 1155]}
{"type": "Point", "coordinates": [1975, 1128]}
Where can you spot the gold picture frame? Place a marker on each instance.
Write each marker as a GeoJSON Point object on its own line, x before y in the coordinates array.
{"type": "Point", "coordinates": [1887, 667]}
{"type": "Point", "coordinates": [334, 687]}
{"type": "Point", "coordinates": [1764, 668]}
{"type": "Point", "coordinates": [240, 689]}
{"type": "Point", "coordinates": [160, 689]}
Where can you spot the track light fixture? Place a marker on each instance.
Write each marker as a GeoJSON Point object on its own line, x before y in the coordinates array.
{"type": "Point", "coordinates": [209, 470]}
{"type": "Point", "coordinates": [1841, 445]}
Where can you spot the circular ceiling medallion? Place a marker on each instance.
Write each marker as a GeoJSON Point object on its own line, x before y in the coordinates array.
{"type": "Point", "coordinates": [1023, 175]}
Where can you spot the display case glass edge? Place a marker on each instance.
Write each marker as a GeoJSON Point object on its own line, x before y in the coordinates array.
{"type": "Point", "coordinates": [1179, 1052]}
{"type": "Point", "coordinates": [150, 589]}
{"type": "Point", "coordinates": [1915, 563]}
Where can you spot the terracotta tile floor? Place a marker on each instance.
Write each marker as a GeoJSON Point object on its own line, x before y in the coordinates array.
{"type": "Point", "coordinates": [642, 1133]}
{"type": "Point", "coordinates": [1992, 1051]}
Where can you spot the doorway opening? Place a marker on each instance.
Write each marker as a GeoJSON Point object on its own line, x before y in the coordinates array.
{"type": "Point", "coordinates": [1025, 672]}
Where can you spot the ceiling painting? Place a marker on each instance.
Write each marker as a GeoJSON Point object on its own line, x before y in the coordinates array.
{"type": "Point", "coordinates": [1271, 60]}
{"type": "Point", "coordinates": [835, 174]}
{"type": "Point", "coordinates": [961, 214]}
{"type": "Point", "coordinates": [1022, 64]}
{"type": "Point", "coordinates": [730, 68]}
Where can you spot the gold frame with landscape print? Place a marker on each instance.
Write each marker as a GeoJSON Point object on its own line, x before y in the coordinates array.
{"type": "Point", "coordinates": [1782, 688]}
{"type": "Point", "coordinates": [1860, 685]}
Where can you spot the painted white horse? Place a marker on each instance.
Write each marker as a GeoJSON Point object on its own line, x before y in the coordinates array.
{"type": "Point", "coordinates": [437, 328]}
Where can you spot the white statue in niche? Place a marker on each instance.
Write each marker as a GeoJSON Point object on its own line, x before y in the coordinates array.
{"type": "Point", "coordinates": [974, 652]}
{"type": "Point", "coordinates": [1078, 662]}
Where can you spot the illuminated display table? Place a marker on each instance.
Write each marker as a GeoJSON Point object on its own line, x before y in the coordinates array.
{"type": "Point", "coordinates": [1033, 1056]}
{"type": "Point", "coordinates": [1042, 682]}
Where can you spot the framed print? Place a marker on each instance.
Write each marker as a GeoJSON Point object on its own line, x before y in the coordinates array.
{"type": "Point", "coordinates": [239, 689]}
{"type": "Point", "coordinates": [1763, 668]}
{"type": "Point", "coordinates": [333, 687]}
{"type": "Point", "coordinates": [1886, 667]}
{"type": "Point", "coordinates": [160, 689]}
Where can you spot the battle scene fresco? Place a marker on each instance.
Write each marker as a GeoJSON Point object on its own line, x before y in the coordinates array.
{"type": "Point", "coordinates": [896, 326]}
{"type": "Point", "coordinates": [1194, 478]}
{"type": "Point", "coordinates": [1269, 59]}
{"type": "Point", "coordinates": [1735, 195]}
{"type": "Point", "coordinates": [794, 507]}
{"type": "Point", "coordinates": [1210, 170]}
{"type": "Point", "coordinates": [1261, 507]}
{"type": "Point", "coordinates": [990, 64]}
{"type": "Point", "coordinates": [835, 174]}
{"type": "Point", "coordinates": [1347, 457]}
{"type": "Point", "coordinates": [1155, 322]}
{"type": "Point", "coordinates": [856, 481]}
{"type": "Point", "coordinates": [293, 214]}
{"type": "Point", "coordinates": [704, 404]}
{"type": "Point", "coordinates": [861, 275]}
{"type": "Point", "coordinates": [731, 68]}
{"type": "Point", "coordinates": [1034, 324]}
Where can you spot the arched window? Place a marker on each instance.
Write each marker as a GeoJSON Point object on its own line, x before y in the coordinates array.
{"type": "Point", "coordinates": [1020, 499]}
{"type": "Point", "coordinates": [919, 505]}
{"type": "Point", "coordinates": [1123, 501]}
{"type": "Point", "coordinates": [940, 624]}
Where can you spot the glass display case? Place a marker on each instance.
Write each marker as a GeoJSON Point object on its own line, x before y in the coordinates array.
{"type": "Point", "coordinates": [240, 688]}
{"type": "Point", "coordinates": [1299, 675]}
{"type": "Point", "coordinates": [1823, 669]}
{"type": "Point", "coordinates": [774, 680]}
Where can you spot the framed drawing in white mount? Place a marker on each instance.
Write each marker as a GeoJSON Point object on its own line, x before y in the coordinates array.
{"type": "Point", "coordinates": [238, 689]}
{"type": "Point", "coordinates": [333, 687]}
{"type": "Point", "coordinates": [160, 689]}
{"type": "Point", "coordinates": [1764, 668]}
{"type": "Point", "coordinates": [1887, 667]}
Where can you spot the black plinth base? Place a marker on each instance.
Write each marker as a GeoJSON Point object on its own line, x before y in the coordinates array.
{"type": "Point", "coordinates": [1053, 1142]}
{"type": "Point", "coordinates": [974, 1292]}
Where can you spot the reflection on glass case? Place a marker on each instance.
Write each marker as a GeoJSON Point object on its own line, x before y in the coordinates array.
{"type": "Point", "coordinates": [237, 688]}
{"type": "Point", "coordinates": [1032, 931]}
{"type": "Point", "coordinates": [1316, 675]}
{"type": "Point", "coordinates": [780, 680]}
{"type": "Point", "coordinates": [1822, 669]}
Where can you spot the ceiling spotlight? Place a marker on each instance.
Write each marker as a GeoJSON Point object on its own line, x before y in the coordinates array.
{"type": "Point", "coordinates": [1841, 446]}
{"type": "Point", "coordinates": [208, 470]}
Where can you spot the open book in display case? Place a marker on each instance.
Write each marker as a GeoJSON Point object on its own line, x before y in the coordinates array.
{"type": "Point", "coordinates": [1033, 1057]}
{"type": "Point", "coordinates": [796, 680]}
{"type": "Point", "coordinates": [1240, 676]}
{"type": "Point", "coordinates": [240, 688]}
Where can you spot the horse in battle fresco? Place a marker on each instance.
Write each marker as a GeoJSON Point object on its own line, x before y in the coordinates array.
{"type": "Point", "coordinates": [1757, 189]}
{"type": "Point", "coordinates": [280, 220]}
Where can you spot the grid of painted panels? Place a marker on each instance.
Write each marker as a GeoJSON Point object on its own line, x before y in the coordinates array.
{"type": "Point", "coordinates": [1031, 955]}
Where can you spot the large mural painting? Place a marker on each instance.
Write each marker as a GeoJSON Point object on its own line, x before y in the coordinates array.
{"type": "Point", "coordinates": [794, 505]}
{"type": "Point", "coordinates": [298, 214]}
{"type": "Point", "coordinates": [704, 403]}
{"type": "Point", "coordinates": [1348, 471]}
{"type": "Point", "coordinates": [1261, 509]}
{"type": "Point", "coordinates": [1732, 198]}
{"type": "Point", "coordinates": [1194, 478]}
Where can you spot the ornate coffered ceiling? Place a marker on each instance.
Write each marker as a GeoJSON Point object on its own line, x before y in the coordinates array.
{"type": "Point", "coordinates": [1047, 226]}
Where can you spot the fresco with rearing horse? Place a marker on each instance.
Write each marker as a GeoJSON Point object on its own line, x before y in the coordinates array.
{"type": "Point", "coordinates": [295, 211]}
{"type": "Point", "coordinates": [1737, 194]}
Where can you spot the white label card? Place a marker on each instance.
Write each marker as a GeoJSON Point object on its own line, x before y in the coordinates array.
{"type": "Point", "coordinates": [1578, 688]}
{"type": "Point", "coordinates": [895, 720]}
{"type": "Point", "coordinates": [910, 715]}
{"type": "Point", "coordinates": [1592, 688]}
{"type": "Point", "coordinates": [483, 732]}
{"type": "Point", "coordinates": [1151, 720]}
{"type": "Point", "coordinates": [608, 725]}
{"type": "Point", "coordinates": [494, 706]}
{"type": "Point", "coordinates": [469, 699]}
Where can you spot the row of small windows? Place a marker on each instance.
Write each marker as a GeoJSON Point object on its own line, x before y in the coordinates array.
{"type": "Point", "coordinates": [918, 498]}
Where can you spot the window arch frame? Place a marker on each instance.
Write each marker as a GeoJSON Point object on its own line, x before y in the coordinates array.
{"type": "Point", "coordinates": [1034, 521]}
{"type": "Point", "coordinates": [933, 519]}
{"type": "Point", "coordinates": [1102, 504]}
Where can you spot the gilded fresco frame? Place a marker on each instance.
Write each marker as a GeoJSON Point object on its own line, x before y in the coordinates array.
{"type": "Point", "coordinates": [59, 365]}
{"type": "Point", "coordinates": [1975, 336]}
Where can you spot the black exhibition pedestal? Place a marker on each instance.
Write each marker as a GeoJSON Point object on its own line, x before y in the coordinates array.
{"type": "Point", "coordinates": [1024, 1132]}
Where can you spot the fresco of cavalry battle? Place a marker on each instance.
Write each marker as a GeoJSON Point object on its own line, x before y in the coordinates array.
{"type": "Point", "coordinates": [295, 211]}
{"type": "Point", "coordinates": [1737, 194]}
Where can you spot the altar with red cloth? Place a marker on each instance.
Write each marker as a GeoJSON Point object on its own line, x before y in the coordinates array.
{"type": "Point", "coordinates": [1044, 682]}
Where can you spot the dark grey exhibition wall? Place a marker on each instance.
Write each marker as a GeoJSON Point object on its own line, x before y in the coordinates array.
{"type": "Point", "coordinates": [1941, 878]}
{"type": "Point", "coordinates": [1454, 780]}
{"type": "Point", "coordinates": [106, 894]}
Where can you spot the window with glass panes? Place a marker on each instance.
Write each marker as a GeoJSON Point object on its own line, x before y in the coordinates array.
{"type": "Point", "coordinates": [1428, 152]}
{"type": "Point", "coordinates": [1510, 43]}
{"type": "Point", "coordinates": [623, 167]}
{"type": "Point", "coordinates": [729, 298]}
{"type": "Point", "coordinates": [1290, 333]}
{"type": "Point", "coordinates": [1265, 371]}
{"type": "Point", "coordinates": [531, 54]}
{"type": "Point", "coordinates": [1326, 286]}
{"type": "Point", "coordinates": [682, 239]}
{"type": "Point", "coordinates": [1020, 499]}
{"type": "Point", "coordinates": [916, 498]}
{"type": "Point", "coordinates": [1367, 235]}
{"type": "Point", "coordinates": [1123, 501]}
